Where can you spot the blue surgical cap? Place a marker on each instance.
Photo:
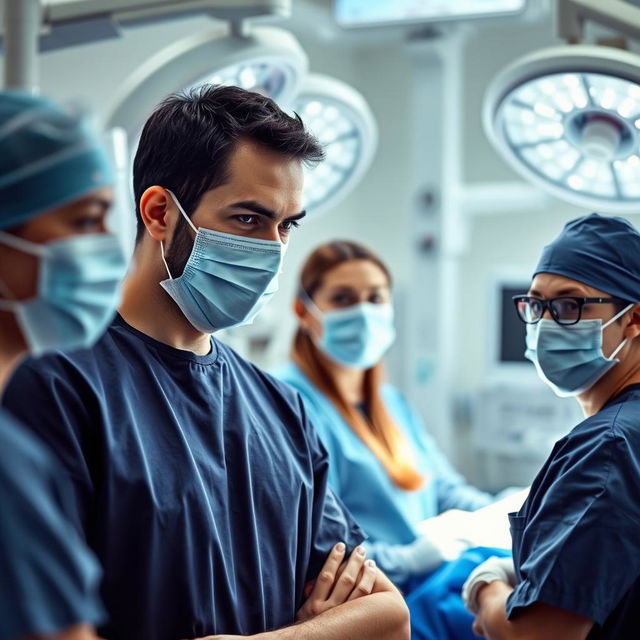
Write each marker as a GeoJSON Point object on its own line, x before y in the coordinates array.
{"type": "Point", "coordinates": [48, 157]}
{"type": "Point", "coordinates": [598, 251]}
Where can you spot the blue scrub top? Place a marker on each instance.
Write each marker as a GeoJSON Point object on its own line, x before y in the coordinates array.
{"type": "Point", "coordinates": [576, 540]}
{"type": "Point", "coordinates": [48, 579]}
{"type": "Point", "coordinates": [198, 482]}
{"type": "Point", "coordinates": [386, 512]}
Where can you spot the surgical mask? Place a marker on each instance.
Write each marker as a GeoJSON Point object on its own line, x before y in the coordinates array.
{"type": "Point", "coordinates": [227, 280]}
{"type": "Point", "coordinates": [569, 358]}
{"type": "Point", "coordinates": [357, 336]}
{"type": "Point", "coordinates": [78, 291]}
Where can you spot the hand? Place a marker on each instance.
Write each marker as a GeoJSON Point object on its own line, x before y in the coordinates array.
{"type": "Point", "coordinates": [489, 571]}
{"type": "Point", "coordinates": [339, 581]}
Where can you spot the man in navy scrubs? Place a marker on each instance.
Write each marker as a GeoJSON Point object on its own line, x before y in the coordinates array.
{"type": "Point", "coordinates": [199, 482]}
{"type": "Point", "coordinates": [576, 547]}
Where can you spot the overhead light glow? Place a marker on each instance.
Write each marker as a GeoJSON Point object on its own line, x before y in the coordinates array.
{"type": "Point", "coordinates": [568, 119]}
{"type": "Point", "coordinates": [341, 120]}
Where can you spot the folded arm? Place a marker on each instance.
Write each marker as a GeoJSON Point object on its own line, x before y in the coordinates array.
{"type": "Point", "coordinates": [381, 615]}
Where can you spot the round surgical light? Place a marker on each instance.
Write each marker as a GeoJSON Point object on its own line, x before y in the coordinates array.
{"type": "Point", "coordinates": [267, 60]}
{"type": "Point", "coordinates": [568, 119]}
{"type": "Point", "coordinates": [343, 123]}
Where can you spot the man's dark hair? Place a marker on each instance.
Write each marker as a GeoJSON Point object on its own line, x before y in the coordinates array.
{"type": "Point", "coordinates": [187, 141]}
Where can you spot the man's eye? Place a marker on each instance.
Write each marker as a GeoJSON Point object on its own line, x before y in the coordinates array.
{"type": "Point", "coordinates": [287, 225]}
{"type": "Point", "coordinates": [246, 219]}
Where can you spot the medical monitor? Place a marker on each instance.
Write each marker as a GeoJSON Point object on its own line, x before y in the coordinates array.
{"type": "Point", "coordinates": [506, 332]}
{"type": "Point", "coordinates": [374, 13]}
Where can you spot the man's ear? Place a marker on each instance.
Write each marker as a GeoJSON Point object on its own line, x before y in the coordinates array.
{"type": "Point", "coordinates": [155, 203]}
{"type": "Point", "coordinates": [632, 330]}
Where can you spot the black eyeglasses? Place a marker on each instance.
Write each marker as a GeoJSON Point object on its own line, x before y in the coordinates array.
{"type": "Point", "coordinates": [565, 310]}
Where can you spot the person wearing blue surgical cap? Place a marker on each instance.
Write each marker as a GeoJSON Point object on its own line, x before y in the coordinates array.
{"type": "Point", "coordinates": [60, 272]}
{"type": "Point", "coordinates": [576, 548]}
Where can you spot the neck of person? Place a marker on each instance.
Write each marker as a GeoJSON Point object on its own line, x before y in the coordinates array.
{"type": "Point", "coordinates": [13, 347]}
{"type": "Point", "coordinates": [349, 381]}
{"type": "Point", "coordinates": [147, 307]}
{"type": "Point", "coordinates": [622, 375]}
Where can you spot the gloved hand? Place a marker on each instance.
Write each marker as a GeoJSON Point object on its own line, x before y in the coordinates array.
{"type": "Point", "coordinates": [429, 551]}
{"type": "Point", "coordinates": [490, 570]}
{"type": "Point", "coordinates": [422, 556]}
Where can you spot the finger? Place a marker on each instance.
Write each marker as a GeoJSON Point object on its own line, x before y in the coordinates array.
{"type": "Point", "coordinates": [326, 577]}
{"type": "Point", "coordinates": [366, 581]}
{"type": "Point", "coordinates": [308, 588]}
{"type": "Point", "coordinates": [344, 585]}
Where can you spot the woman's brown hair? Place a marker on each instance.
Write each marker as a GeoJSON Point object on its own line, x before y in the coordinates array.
{"type": "Point", "coordinates": [377, 430]}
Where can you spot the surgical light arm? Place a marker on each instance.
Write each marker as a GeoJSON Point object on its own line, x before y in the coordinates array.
{"type": "Point", "coordinates": [123, 11]}
{"type": "Point", "coordinates": [26, 20]}
{"type": "Point", "coordinates": [619, 15]}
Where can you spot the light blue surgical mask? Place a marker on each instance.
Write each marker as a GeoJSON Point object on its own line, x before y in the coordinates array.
{"type": "Point", "coordinates": [569, 358]}
{"type": "Point", "coordinates": [79, 280]}
{"type": "Point", "coordinates": [227, 280]}
{"type": "Point", "coordinates": [357, 336]}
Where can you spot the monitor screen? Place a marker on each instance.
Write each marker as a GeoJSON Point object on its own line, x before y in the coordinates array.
{"type": "Point", "coordinates": [511, 330]}
{"type": "Point", "coordinates": [368, 13]}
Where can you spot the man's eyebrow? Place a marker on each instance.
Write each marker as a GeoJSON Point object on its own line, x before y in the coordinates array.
{"type": "Point", "coordinates": [256, 207]}
{"type": "Point", "coordinates": [570, 292]}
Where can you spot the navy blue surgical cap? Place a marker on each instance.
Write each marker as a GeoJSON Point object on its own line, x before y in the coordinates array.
{"type": "Point", "coordinates": [598, 251]}
{"type": "Point", "coordinates": [48, 157]}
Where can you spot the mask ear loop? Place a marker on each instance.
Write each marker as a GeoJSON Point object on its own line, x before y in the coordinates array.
{"type": "Point", "coordinates": [11, 303]}
{"type": "Point", "coordinates": [32, 248]}
{"type": "Point", "coordinates": [604, 326]}
{"type": "Point", "coordinates": [186, 217]}
{"type": "Point", "coordinates": [311, 306]}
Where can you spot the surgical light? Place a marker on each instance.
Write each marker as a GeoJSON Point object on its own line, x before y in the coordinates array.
{"type": "Point", "coordinates": [266, 59]}
{"type": "Point", "coordinates": [343, 123]}
{"type": "Point", "coordinates": [568, 119]}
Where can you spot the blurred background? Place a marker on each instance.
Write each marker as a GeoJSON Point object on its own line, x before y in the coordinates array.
{"type": "Point", "coordinates": [411, 99]}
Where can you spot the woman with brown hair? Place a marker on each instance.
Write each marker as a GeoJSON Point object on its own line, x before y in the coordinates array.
{"type": "Point", "coordinates": [383, 464]}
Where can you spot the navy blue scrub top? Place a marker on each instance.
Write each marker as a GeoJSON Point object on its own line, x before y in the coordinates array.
{"type": "Point", "coordinates": [576, 540]}
{"type": "Point", "coordinates": [199, 483]}
{"type": "Point", "coordinates": [48, 578]}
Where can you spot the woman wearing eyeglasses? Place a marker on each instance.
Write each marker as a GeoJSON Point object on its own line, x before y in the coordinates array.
{"type": "Point", "coordinates": [576, 546]}
{"type": "Point", "coordinates": [383, 463]}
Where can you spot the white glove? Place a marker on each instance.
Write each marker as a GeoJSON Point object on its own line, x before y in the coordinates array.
{"type": "Point", "coordinates": [489, 571]}
{"type": "Point", "coordinates": [421, 556]}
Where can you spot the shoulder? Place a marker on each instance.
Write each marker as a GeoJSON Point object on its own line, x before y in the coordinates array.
{"type": "Point", "coordinates": [615, 424]}
{"type": "Point", "coordinates": [595, 469]}
{"type": "Point", "coordinates": [247, 373]}
{"type": "Point", "coordinates": [315, 401]}
{"type": "Point", "coordinates": [20, 452]}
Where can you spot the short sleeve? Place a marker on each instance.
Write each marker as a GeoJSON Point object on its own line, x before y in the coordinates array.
{"type": "Point", "coordinates": [56, 408]}
{"type": "Point", "coordinates": [578, 528]}
{"type": "Point", "coordinates": [49, 578]}
{"type": "Point", "coordinates": [332, 522]}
